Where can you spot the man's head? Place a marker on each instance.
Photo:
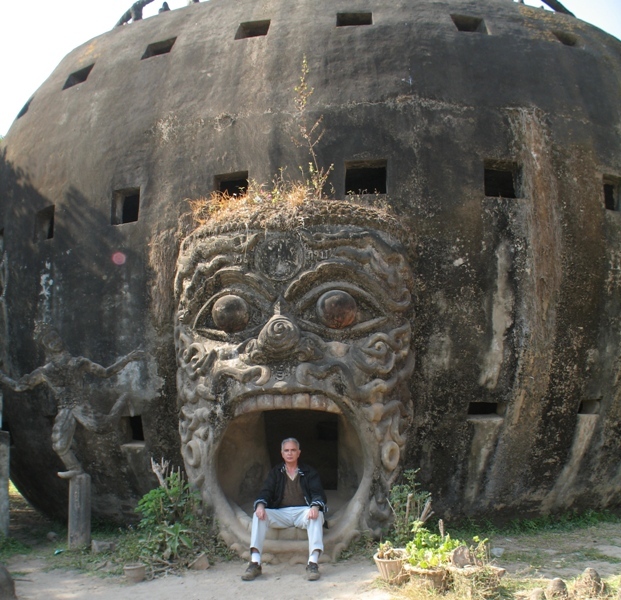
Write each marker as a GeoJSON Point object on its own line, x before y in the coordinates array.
{"type": "Point", "coordinates": [290, 451]}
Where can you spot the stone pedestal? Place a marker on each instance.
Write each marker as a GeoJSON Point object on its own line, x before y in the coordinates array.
{"type": "Point", "coordinates": [79, 511]}
{"type": "Point", "coordinates": [5, 442]}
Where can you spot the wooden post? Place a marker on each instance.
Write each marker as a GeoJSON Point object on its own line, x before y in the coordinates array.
{"type": "Point", "coordinates": [79, 511]}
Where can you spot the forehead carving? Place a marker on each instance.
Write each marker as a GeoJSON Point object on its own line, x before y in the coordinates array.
{"type": "Point", "coordinates": [261, 268]}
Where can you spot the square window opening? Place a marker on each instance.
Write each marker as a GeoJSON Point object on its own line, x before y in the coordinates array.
{"type": "Point", "coordinates": [567, 39]}
{"type": "Point", "coordinates": [469, 24]}
{"type": "Point", "coordinates": [252, 29]}
{"type": "Point", "coordinates": [589, 407]}
{"type": "Point", "coordinates": [354, 19]}
{"type": "Point", "coordinates": [44, 224]}
{"type": "Point", "coordinates": [365, 177]}
{"type": "Point", "coordinates": [611, 187]}
{"type": "Point", "coordinates": [158, 48]}
{"type": "Point", "coordinates": [125, 206]}
{"type": "Point", "coordinates": [24, 110]}
{"type": "Point", "coordinates": [501, 179]}
{"type": "Point", "coordinates": [78, 76]}
{"type": "Point", "coordinates": [232, 184]}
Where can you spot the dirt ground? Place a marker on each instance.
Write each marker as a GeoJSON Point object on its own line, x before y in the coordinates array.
{"type": "Point", "coordinates": [530, 560]}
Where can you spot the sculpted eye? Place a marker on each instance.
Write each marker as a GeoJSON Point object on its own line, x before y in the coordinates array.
{"type": "Point", "coordinates": [336, 309]}
{"type": "Point", "coordinates": [230, 313]}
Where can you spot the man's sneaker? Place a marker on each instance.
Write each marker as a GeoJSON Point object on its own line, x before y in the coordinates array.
{"type": "Point", "coordinates": [312, 571]}
{"type": "Point", "coordinates": [252, 572]}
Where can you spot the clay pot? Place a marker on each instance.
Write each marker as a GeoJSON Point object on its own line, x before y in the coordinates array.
{"type": "Point", "coordinates": [135, 573]}
{"type": "Point", "coordinates": [391, 569]}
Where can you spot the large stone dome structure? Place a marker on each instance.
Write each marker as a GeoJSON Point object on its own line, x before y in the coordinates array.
{"type": "Point", "coordinates": [483, 344]}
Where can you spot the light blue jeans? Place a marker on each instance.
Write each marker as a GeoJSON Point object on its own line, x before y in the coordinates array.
{"type": "Point", "coordinates": [290, 516]}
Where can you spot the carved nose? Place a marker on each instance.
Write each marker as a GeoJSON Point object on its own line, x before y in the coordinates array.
{"type": "Point", "coordinates": [279, 336]}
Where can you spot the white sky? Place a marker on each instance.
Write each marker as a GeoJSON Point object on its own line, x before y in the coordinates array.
{"type": "Point", "coordinates": [37, 34]}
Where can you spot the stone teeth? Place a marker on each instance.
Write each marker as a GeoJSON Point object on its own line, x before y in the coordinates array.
{"type": "Point", "coordinates": [282, 401]}
{"type": "Point", "coordinates": [300, 401]}
{"type": "Point", "coordinates": [265, 402]}
{"type": "Point", "coordinates": [295, 401]}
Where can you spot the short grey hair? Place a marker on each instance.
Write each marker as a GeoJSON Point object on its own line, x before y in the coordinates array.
{"type": "Point", "coordinates": [282, 444]}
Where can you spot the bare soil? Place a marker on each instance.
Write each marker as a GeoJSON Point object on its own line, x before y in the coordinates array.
{"type": "Point", "coordinates": [530, 560]}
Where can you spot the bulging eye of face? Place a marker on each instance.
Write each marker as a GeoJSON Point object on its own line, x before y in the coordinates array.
{"type": "Point", "coordinates": [336, 309]}
{"type": "Point", "coordinates": [230, 313]}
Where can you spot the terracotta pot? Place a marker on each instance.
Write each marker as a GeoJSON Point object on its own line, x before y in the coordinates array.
{"type": "Point", "coordinates": [135, 573]}
{"type": "Point", "coordinates": [391, 569]}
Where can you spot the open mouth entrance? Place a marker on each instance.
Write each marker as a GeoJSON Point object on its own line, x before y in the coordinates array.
{"type": "Point", "coordinates": [250, 446]}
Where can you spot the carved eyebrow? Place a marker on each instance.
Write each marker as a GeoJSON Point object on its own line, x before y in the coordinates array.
{"type": "Point", "coordinates": [203, 288]}
{"type": "Point", "coordinates": [334, 271]}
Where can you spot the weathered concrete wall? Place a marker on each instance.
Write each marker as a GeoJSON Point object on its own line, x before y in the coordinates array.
{"type": "Point", "coordinates": [517, 299]}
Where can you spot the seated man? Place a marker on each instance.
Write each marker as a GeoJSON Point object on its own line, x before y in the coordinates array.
{"type": "Point", "coordinates": [292, 496]}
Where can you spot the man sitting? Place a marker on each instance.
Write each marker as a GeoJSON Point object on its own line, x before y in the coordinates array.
{"type": "Point", "coordinates": [292, 496]}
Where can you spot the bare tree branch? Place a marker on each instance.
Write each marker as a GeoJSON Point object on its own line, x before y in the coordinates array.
{"type": "Point", "coordinates": [558, 7]}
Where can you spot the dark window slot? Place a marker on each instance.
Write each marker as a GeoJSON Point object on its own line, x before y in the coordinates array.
{"type": "Point", "coordinates": [24, 110]}
{"type": "Point", "coordinates": [483, 408]}
{"type": "Point", "coordinates": [469, 24]}
{"type": "Point", "coordinates": [367, 177]}
{"type": "Point", "coordinates": [44, 224]}
{"type": "Point", "coordinates": [78, 77]}
{"type": "Point", "coordinates": [135, 424]}
{"type": "Point", "coordinates": [611, 193]}
{"type": "Point", "coordinates": [125, 206]}
{"type": "Point", "coordinates": [354, 19]}
{"type": "Point", "coordinates": [589, 407]}
{"type": "Point", "coordinates": [501, 179]}
{"type": "Point", "coordinates": [233, 184]}
{"type": "Point", "coordinates": [252, 29]}
{"type": "Point", "coordinates": [159, 48]}
{"type": "Point", "coordinates": [567, 39]}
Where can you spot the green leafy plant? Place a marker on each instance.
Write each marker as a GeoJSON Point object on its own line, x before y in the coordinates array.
{"type": "Point", "coordinates": [428, 550]}
{"type": "Point", "coordinates": [410, 505]}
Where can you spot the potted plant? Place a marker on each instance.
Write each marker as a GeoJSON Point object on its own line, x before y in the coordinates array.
{"type": "Point", "coordinates": [390, 563]}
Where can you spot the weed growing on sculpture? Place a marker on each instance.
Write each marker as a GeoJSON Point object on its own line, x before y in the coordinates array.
{"type": "Point", "coordinates": [220, 206]}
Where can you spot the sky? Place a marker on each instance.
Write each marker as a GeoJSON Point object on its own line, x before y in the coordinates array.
{"type": "Point", "coordinates": [38, 34]}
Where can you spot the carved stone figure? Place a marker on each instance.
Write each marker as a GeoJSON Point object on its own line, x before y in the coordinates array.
{"type": "Point", "coordinates": [64, 376]}
{"type": "Point", "coordinates": [303, 308]}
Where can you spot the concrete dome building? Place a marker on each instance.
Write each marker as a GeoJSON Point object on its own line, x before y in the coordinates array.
{"type": "Point", "coordinates": [492, 132]}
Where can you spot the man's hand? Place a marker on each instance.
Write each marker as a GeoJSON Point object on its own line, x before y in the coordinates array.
{"type": "Point", "coordinates": [260, 512]}
{"type": "Point", "coordinates": [313, 513]}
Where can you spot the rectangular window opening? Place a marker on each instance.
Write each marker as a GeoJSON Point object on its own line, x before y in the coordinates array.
{"type": "Point", "coordinates": [1, 243]}
{"type": "Point", "coordinates": [501, 179]}
{"type": "Point", "coordinates": [469, 24]}
{"type": "Point", "coordinates": [611, 193]}
{"type": "Point", "coordinates": [353, 19]}
{"type": "Point", "coordinates": [132, 430]}
{"type": "Point", "coordinates": [485, 408]}
{"type": "Point", "coordinates": [24, 110]}
{"type": "Point", "coordinates": [125, 206]}
{"type": "Point", "coordinates": [44, 224]}
{"type": "Point", "coordinates": [78, 77]}
{"type": "Point", "coordinates": [567, 39]}
{"type": "Point", "coordinates": [232, 184]}
{"type": "Point", "coordinates": [158, 48]}
{"type": "Point", "coordinates": [365, 177]}
{"type": "Point", "coordinates": [589, 407]}
{"type": "Point", "coordinates": [252, 29]}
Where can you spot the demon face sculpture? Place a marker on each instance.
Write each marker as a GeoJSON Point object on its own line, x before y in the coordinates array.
{"type": "Point", "coordinates": [294, 322]}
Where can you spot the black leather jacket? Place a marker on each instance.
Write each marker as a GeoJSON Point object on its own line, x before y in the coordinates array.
{"type": "Point", "coordinates": [274, 486]}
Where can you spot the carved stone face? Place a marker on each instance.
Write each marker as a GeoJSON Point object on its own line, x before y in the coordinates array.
{"type": "Point", "coordinates": [309, 323]}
